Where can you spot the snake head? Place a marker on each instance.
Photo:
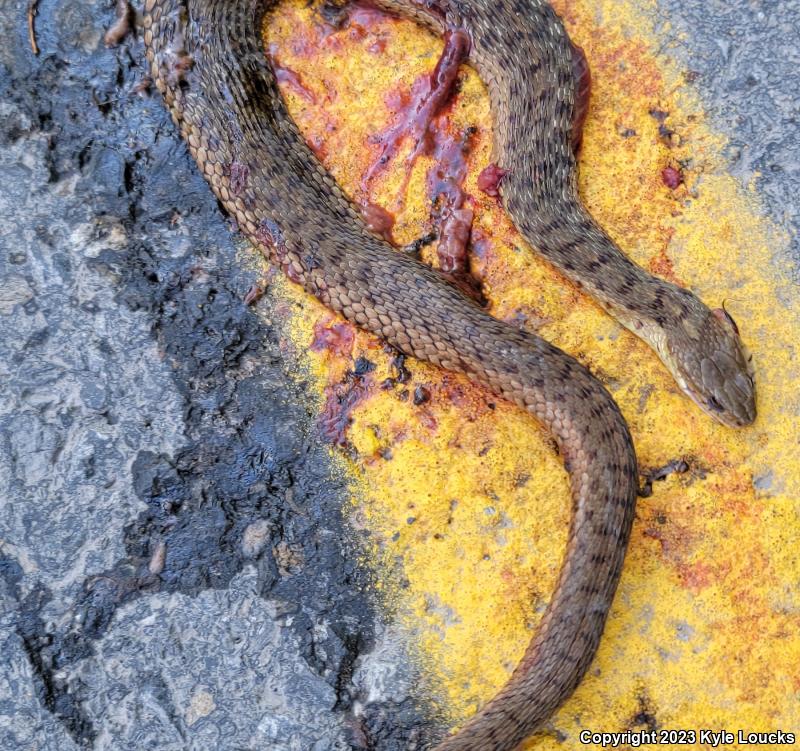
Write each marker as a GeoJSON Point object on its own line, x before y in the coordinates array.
{"type": "Point", "coordinates": [714, 368]}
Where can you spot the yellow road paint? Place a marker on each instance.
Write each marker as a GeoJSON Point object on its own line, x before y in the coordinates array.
{"type": "Point", "coordinates": [464, 498]}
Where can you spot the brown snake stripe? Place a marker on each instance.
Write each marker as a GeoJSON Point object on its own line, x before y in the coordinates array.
{"type": "Point", "coordinates": [208, 60]}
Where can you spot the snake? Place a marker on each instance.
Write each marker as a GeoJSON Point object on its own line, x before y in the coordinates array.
{"type": "Point", "coordinates": [209, 62]}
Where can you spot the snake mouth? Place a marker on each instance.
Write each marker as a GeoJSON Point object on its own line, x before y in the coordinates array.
{"type": "Point", "coordinates": [712, 406]}
{"type": "Point", "coordinates": [717, 411]}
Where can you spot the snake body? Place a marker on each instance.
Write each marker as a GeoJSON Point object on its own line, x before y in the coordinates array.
{"type": "Point", "coordinates": [208, 60]}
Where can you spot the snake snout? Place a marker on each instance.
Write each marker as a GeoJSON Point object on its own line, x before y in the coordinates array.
{"type": "Point", "coordinates": [730, 391]}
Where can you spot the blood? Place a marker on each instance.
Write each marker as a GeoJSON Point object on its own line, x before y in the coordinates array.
{"type": "Point", "coordinates": [358, 20]}
{"type": "Point", "coordinates": [289, 78]}
{"type": "Point", "coordinates": [662, 265]}
{"type": "Point", "coordinates": [342, 399]}
{"type": "Point", "coordinates": [336, 338]}
{"type": "Point", "coordinates": [455, 232]}
{"type": "Point", "coordinates": [269, 234]}
{"type": "Point", "coordinates": [490, 178]}
{"type": "Point", "coordinates": [445, 181]}
{"type": "Point", "coordinates": [481, 246]}
{"type": "Point", "coordinates": [319, 145]}
{"type": "Point", "coordinates": [427, 419]}
{"type": "Point", "coordinates": [239, 175]}
{"type": "Point", "coordinates": [293, 81]}
{"type": "Point", "coordinates": [583, 90]}
{"type": "Point", "coordinates": [254, 294]}
{"type": "Point", "coordinates": [365, 18]}
{"type": "Point", "coordinates": [671, 177]}
{"type": "Point", "coordinates": [422, 115]}
{"type": "Point", "coordinates": [416, 112]}
{"type": "Point", "coordinates": [378, 220]}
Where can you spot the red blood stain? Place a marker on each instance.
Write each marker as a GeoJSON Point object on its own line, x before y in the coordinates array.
{"type": "Point", "coordinates": [397, 99]}
{"type": "Point", "coordinates": [661, 264]}
{"type": "Point", "coordinates": [445, 181]}
{"type": "Point", "coordinates": [454, 391]}
{"type": "Point", "coordinates": [377, 47]}
{"type": "Point", "coordinates": [289, 78]}
{"type": "Point", "coordinates": [337, 338]}
{"type": "Point", "coordinates": [452, 249]}
{"type": "Point", "coordinates": [366, 17]}
{"type": "Point", "coordinates": [421, 115]}
{"type": "Point", "coordinates": [671, 540]}
{"type": "Point", "coordinates": [378, 220]}
{"type": "Point", "coordinates": [318, 145]}
{"type": "Point", "coordinates": [490, 178]}
{"type": "Point", "coordinates": [269, 234]}
{"type": "Point", "coordinates": [508, 576]}
{"type": "Point", "coordinates": [677, 544]}
{"type": "Point", "coordinates": [293, 81]}
{"type": "Point", "coordinates": [481, 245]}
{"type": "Point", "coordinates": [341, 400]}
{"type": "Point", "coordinates": [304, 46]}
{"type": "Point", "coordinates": [415, 113]}
{"type": "Point", "coordinates": [238, 177]}
{"type": "Point", "coordinates": [254, 294]}
{"type": "Point", "coordinates": [695, 576]}
{"type": "Point", "coordinates": [305, 42]}
{"type": "Point", "coordinates": [427, 419]}
{"type": "Point", "coordinates": [671, 177]}
{"type": "Point", "coordinates": [474, 400]}
{"type": "Point", "coordinates": [361, 21]}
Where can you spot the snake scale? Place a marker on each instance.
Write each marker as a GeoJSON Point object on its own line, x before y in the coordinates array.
{"type": "Point", "coordinates": [208, 60]}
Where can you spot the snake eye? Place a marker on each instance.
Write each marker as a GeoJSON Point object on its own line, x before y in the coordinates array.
{"type": "Point", "coordinates": [714, 404]}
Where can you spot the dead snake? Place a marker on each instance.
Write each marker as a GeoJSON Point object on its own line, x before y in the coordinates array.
{"type": "Point", "coordinates": [208, 60]}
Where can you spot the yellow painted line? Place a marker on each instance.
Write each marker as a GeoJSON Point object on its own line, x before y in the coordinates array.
{"type": "Point", "coordinates": [463, 496]}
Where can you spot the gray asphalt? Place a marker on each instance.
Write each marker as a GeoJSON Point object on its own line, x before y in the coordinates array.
{"type": "Point", "coordinates": [145, 408]}
{"type": "Point", "coordinates": [748, 58]}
